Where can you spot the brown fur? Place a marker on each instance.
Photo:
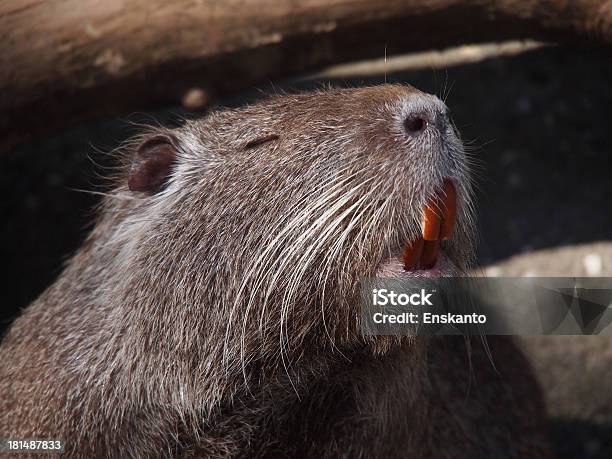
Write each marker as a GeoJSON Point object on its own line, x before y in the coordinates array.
{"type": "Point", "coordinates": [219, 316]}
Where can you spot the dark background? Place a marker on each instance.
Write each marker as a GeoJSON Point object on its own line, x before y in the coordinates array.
{"type": "Point", "coordinates": [537, 123]}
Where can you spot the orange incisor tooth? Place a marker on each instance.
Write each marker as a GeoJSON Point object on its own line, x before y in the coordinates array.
{"type": "Point", "coordinates": [412, 254]}
{"type": "Point", "coordinates": [449, 209]}
{"type": "Point", "coordinates": [429, 256]}
{"type": "Point", "coordinates": [431, 221]}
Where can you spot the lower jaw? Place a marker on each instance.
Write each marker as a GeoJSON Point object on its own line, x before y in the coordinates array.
{"type": "Point", "coordinates": [393, 267]}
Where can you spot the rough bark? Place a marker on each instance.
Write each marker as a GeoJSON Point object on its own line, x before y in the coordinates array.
{"type": "Point", "coordinates": [63, 61]}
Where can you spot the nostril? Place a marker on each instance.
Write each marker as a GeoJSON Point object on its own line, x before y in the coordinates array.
{"type": "Point", "coordinates": [414, 124]}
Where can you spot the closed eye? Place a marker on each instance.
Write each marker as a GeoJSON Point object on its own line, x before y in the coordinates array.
{"type": "Point", "coordinates": [260, 141]}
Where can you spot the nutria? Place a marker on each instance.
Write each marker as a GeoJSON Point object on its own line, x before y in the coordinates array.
{"type": "Point", "coordinates": [213, 310]}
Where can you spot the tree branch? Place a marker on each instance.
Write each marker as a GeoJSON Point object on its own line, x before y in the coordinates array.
{"type": "Point", "coordinates": [63, 61]}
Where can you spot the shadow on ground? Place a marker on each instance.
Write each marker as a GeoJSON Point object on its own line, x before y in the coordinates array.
{"type": "Point", "coordinates": [581, 440]}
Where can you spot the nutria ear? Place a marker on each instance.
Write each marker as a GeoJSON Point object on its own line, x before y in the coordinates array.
{"type": "Point", "coordinates": [152, 164]}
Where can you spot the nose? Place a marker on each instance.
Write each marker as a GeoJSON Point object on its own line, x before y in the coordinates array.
{"type": "Point", "coordinates": [415, 123]}
{"type": "Point", "coordinates": [424, 112]}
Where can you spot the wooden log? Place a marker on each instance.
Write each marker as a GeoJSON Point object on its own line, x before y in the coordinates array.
{"type": "Point", "coordinates": [63, 61]}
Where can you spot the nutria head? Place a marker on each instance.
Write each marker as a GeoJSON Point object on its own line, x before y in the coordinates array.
{"type": "Point", "coordinates": [243, 236]}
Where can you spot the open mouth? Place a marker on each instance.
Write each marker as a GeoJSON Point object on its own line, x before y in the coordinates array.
{"type": "Point", "coordinates": [439, 216]}
{"type": "Point", "coordinates": [422, 257]}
